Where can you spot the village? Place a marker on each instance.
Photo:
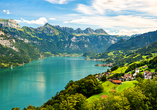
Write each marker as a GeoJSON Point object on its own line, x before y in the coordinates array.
{"type": "Point", "coordinates": [119, 78]}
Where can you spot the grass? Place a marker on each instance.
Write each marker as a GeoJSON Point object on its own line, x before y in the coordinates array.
{"type": "Point", "coordinates": [152, 70]}
{"type": "Point", "coordinates": [124, 85]}
{"type": "Point", "coordinates": [136, 56]}
{"type": "Point", "coordinates": [107, 87]}
{"type": "Point", "coordinates": [120, 70]}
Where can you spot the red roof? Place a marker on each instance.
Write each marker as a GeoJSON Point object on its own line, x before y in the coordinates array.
{"type": "Point", "coordinates": [113, 90]}
{"type": "Point", "coordinates": [147, 71]}
{"type": "Point", "coordinates": [103, 96]}
{"type": "Point", "coordinates": [117, 81]}
{"type": "Point", "coordinates": [109, 79]}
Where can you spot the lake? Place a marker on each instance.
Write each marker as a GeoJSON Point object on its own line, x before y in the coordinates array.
{"type": "Point", "coordinates": [36, 82]}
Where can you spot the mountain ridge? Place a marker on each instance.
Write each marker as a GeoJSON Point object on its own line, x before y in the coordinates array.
{"type": "Point", "coordinates": [135, 42]}
{"type": "Point", "coordinates": [55, 39]}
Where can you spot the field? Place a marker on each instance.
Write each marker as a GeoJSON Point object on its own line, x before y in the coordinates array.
{"type": "Point", "coordinates": [108, 86]}
{"type": "Point", "coordinates": [124, 85]}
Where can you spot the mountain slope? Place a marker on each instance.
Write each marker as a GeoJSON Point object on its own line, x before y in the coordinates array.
{"type": "Point", "coordinates": [135, 42]}
{"type": "Point", "coordinates": [15, 52]}
{"type": "Point", "coordinates": [56, 39]}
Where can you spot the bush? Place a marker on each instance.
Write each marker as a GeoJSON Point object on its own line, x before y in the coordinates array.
{"type": "Point", "coordinates": [103, 78]}
{"type": "Point", "coordinates": [114, 68]}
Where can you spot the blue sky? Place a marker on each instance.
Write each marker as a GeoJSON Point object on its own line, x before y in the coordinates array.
{"type": "Point", "coordinates": [121, 17]}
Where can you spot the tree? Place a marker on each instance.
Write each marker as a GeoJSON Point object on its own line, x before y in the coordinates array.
{"type": "Point", "coordinates": [140, 75]}
{"type": "Point", "coordinates": [138, 101]}
{"type": "Point", "coordinates": [113, 102]}
{"type": "Point", "coordinates": [103, 78]}
{"type": "Point", "coordinates": [114, 68]}
{"type": "Point", "coordinates": [73, 102]}
{"type": "Point", "coordinates": [156, 69]}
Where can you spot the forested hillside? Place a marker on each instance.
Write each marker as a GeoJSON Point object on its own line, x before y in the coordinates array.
{"type": "Point", "coordinates": [135, 42]}
{"type": "Point", "coordinates": [14, 52]}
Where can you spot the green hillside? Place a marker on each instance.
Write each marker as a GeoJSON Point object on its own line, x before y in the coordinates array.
{"type": "Point", "coordinates": [16, 52]}
{"type": "Point", "coordinates": [135, 42]}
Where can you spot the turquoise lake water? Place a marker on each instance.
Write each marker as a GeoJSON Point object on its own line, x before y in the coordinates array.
{"type": "Point", "coordinates": [36, 82]}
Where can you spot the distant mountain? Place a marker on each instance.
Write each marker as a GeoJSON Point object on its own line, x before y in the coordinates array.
{"type": "Point", "coordinates": [9, 22]}
{"type": "Point", "coordinates": [56, 39]}
{"type": "Point", "coordinates": [141, 54]}
{"type": "Point", "coordinates": [87, 31]}
{"type": "Point", "coordinates": [100, 31]}
{"type": "Point", "coordinates": [135, 42]}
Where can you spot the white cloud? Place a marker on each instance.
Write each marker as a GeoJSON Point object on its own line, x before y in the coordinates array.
{"type": "Point", "coordinates": [102, 6]}
{"type": "Point", "coordinates": [134, 24]}
{"type": "Point", "coordinates": [132, 31]}
{"type": "Point", "coordinates": [6, 11]}
{"type": "Point", "coordinates": [82, 20]}
{"type": "Point", "coordinates": [85, 9]}
{"type": "Point", "coordinates": [65, 22]}
{"type": "Point", "coordinates": [52, 18]}
{"type": "Point", "coordinates": [58, 1]}
{"type": "Point", "coordinates": [118, 21]}
{"type": "Point", "coordinates": [40, 21]}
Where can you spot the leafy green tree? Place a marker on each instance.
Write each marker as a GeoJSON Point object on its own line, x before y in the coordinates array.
{"type": "Point", "coordinates": [149, 88]}
{"type": "Point", "coordinates": [15, 108]}
{"type": "Point", "coordinates": [103, 78]}
{"type": "Point", "coordinates": [73, 102]}
{"type": "Point", "coordinates": [110, 103]}
{"type": "Point", "coordinates": [114, 68]}
{"type": "Point", "coordinates": [138, 101]}
{"type": "Point", "coordinates": [156, 69]}
{"type": "Point", "coordinates": [139, 75]}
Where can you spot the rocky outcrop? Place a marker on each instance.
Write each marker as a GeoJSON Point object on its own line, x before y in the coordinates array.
{"type": "Point", "coordinates": [7, 42]}
{"type": "Point", "coordinates": [10, 23]}
{"type": "Point", "coordinates": [2, 33]}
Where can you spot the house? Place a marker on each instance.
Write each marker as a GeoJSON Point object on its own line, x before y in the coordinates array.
{"type": "Point", "coordinates": [109, 80]}
{"type": "Point", "coordinates": [147, 75]}
{"type": "Point", "coordinates": [128, 77]}
{"type": "Point", "coordinates": [144, 67]}
{"type": "Point", "coordinates": [103, 96]}
{"type": "Point", "coordinates": [121, 78]}
{"type": "Point", "coordinates": [116, 81]}
{"type": "Point", "coordinates": [137, 70]}
{"type": "Point", "coordinates": [134, 75]}
{"type": "Point", "coordinates": [113, 90]}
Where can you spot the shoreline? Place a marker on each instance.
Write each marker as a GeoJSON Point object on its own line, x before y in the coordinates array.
{"type": "Point", "coordinates": [105, 65]}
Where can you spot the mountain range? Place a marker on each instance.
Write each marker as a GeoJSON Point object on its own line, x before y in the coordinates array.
{"type": "Point", "coordinates": [28, 44]}
{"type": "Point", "coordinates": [56, 39]}
{"type": "Point", "coordinates": [24, 44]}
{"type": "Point", "coordinates": [136, 42]}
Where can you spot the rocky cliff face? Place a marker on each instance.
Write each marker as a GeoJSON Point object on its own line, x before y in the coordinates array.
{"type": "Point", "coordinates": [10, 23]}
{"type": "Point", "coordinates": [7, 41]}
{"type": "Point", "coordinates": [14, 52]}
